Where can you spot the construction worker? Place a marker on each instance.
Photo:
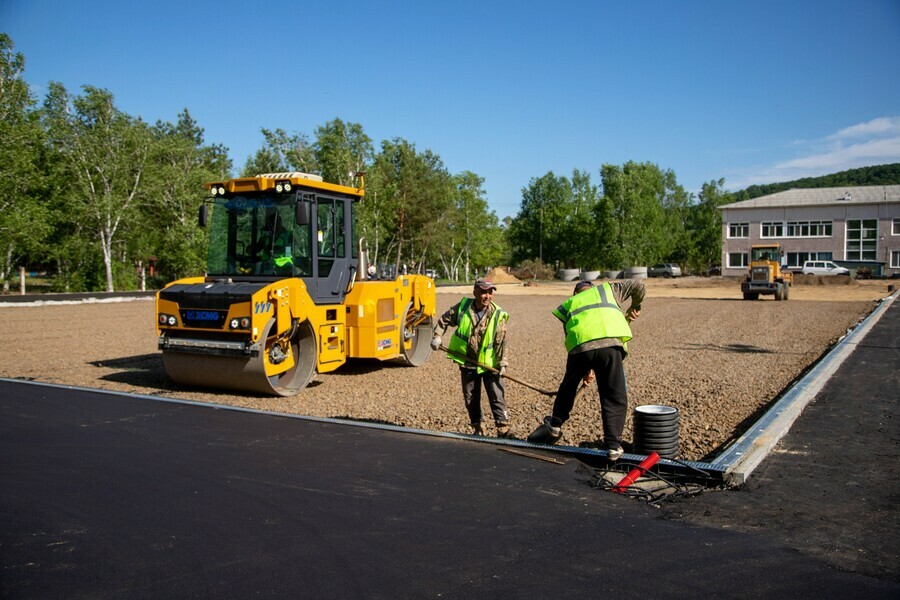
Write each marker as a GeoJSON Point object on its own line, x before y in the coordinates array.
{"type": "Point", "coordinates": [480, 337]}
{"type": "Point", "coordinates": [274, 245]}
{"type": "Point", "coordinates": [597, 335]}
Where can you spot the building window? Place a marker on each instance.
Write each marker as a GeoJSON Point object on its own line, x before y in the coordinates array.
{"type": "Point", "coordinates": [739, 230]}
{"type": "Point", "coordinates": [895, 259]}
{"type": "Point", "coordinates": [772, 230]}
{"type": "Point", "coordinates": [808, 229]}
{"type": "Point", "coordinates": [796, 259]}
{"type": "Point", "coordinates": [737, 260]}
{"type": "Point", "coordinates": [862, 239]}
{"type": "Point", "coordinates": [895, 227]}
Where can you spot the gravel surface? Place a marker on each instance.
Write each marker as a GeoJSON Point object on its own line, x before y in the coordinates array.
{"type": "Point", "coordinates": [697, 347]}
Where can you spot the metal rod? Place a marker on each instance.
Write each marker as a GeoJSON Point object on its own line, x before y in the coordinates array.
{"type": "Point", "coordinates": [533, 455]}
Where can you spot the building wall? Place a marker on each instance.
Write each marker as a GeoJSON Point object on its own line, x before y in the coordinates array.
{"type": "Point", "coordinates": [888, 232]}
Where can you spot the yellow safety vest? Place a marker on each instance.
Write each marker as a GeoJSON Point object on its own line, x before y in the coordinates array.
{"type": "Point", "coordinates": [593, 315]}
{"type": "Point", "coordinates": [459, 343]}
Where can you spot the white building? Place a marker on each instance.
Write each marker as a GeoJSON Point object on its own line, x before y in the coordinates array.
{"type": "Point", "coordinates": [853, 226]}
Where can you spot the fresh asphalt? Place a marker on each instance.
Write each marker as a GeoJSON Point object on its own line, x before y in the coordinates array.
{"type": "Point", "coordinates": [114, 496]}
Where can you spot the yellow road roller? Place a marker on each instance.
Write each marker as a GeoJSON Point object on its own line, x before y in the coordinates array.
{"type": "Point", "coordinates": [284, 296]}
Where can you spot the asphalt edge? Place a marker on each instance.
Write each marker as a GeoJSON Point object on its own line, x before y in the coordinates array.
{"type": "Point", "coordinates": [740, 459]}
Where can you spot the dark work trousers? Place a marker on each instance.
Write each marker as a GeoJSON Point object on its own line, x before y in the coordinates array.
{"type": "Point", "coordinates": [607, 366]}
{"type": "Point", "coordinates": [471, 386]}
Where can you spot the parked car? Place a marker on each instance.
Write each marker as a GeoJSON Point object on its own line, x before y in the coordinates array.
{"type": "Point", "coordinates": [664, 270]}
{"type": "Point", "coordinates": [823, 267]}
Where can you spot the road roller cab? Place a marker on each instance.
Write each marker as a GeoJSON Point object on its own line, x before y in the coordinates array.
{"type": "Point", "coordinates": [284, 297]}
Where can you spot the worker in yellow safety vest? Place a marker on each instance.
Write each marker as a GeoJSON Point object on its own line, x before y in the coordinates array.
{"type": "Point", "coordinates": [597, 334]}
{"type": "Point", "coordinates": [480, 337]}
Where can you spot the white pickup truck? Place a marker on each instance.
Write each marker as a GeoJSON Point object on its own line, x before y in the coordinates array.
{"type": "Point", "coordinates": [823, 267]}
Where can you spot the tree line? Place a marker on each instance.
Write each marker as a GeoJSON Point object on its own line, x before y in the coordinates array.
{"type": "Point", "coordinates": [875, 175]}
{"type": "Point", "coordinates": [90, 194]}
{"type": "Point", "coordinates": [638, 215]}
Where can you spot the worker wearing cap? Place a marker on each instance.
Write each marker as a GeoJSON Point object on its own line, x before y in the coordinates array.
{"type": "Point", "coordinates": [480, 337]}
{"type": "Point", "coordinates": [597, 334]}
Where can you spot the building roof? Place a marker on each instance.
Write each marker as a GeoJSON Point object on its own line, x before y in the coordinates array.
{"type": "Point", "coordinates": [859, 194]}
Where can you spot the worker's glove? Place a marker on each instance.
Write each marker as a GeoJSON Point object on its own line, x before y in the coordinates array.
{"type": "Point", "coordinates": [436, 342]}
{"type": "Point", "coordinates": [502, 371]}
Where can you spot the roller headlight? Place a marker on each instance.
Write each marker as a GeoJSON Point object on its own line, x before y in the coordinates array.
{"type": "Point", "coordinates": [239, 323]}
{"type": "Point", "coordinates": [169, 320]}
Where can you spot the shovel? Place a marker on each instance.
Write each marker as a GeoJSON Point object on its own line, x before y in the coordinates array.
{"type": "Point", "coordinates": [493, 370]}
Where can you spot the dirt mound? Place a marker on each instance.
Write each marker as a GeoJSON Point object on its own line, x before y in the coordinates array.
{"type": "Point", "coordinates": [502, 275]}
{"type": "Point", "coordinates": [801, 279]}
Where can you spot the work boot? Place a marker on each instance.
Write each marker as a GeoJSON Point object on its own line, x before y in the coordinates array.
{"type": "Point", "coordinates": [478, 429]}
{"type": "Point", "coordinates": [546, 433]}
{"type": "Point", "coordinates": [504, 431]}
{"type": "Point", "coordinates": [615, 452]}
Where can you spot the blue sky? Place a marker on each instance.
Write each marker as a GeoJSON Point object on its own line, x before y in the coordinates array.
{"type": "Point", "coordinates": [753, 92]}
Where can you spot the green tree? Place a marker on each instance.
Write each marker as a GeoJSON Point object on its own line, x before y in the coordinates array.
{"type": "Point", "coordinates": [282, 153]}
{"type": "Point", "coordinates": [470, 237]}
{"type": "Point", "coordinates": [676, 204]}
{"type": "Point", "coordinates": [24, 216]}
{"type": "Point", "coordinates": [103, 155]}
{"type": "Point", "coordinates": [538, 230]}
{"type": "Point", "coordinates": [635, 192]}
{"type": "Point", "coordinates": [705, 226]}
{"type": "Point", "coordinates": [409, 191]}
{"type": "Point", "coordinates": [608, 247]}
{"type": "Point", "coordinates": [581, 222]}
{"type": "Point", "coordinates": [181, 162]}
{"type": "Point", "coordinates": [555, 223]}
{"type": "Point", "coordinates": [342, 149]}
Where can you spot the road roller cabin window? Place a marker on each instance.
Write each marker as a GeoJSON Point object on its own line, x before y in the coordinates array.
{"type": "Point", "coordinates": [325, 237]}
{"type": "Point", "coordinates": [257, 236]}
{"type": "Point", "coordinates": [339, 242]}
{"type": "Point", "coordinates": [354, 249]}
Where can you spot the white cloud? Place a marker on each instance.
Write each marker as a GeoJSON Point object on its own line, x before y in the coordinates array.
{"type": "Point", "coordinates": [881, 126]}
{"type": "Point", "coordinates": [874, 142]}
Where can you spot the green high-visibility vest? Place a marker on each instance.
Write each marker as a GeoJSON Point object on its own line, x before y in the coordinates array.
{"type": "Point", "coordinates": [593, 315]}
{"type": "Point", "coordinates": [281, 246]}
{"type": "Point", "coordinates": [459, 343]}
